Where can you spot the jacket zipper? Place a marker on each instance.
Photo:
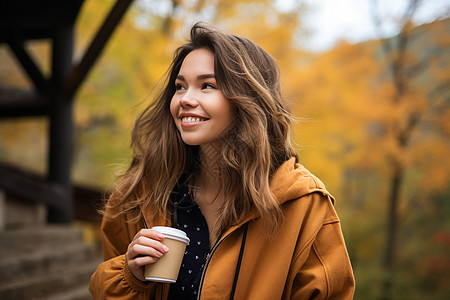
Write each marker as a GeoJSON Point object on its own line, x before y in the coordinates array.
{"type": "Point", "coordinates": [208, 259]}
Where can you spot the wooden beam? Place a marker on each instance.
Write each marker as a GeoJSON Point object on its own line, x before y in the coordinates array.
{"type": "Point", "coordinates": [35, 19]}
{"type": "Point", "coordinates": [79, 72]}
{"type": "Point", "coordinates": [22, 103]}
{"type": "Point", "coordinates": [17, 184]}
{"type": "Point", "coordinates": [28, 64]}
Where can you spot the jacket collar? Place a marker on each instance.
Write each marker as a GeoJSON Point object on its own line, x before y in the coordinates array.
{"type": "Point", "coordinates": [291, 181]}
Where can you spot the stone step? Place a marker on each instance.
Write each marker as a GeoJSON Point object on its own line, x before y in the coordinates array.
{"type": "Point", "coordinates": [62, 282]}
{"type": "Point", "coordinates": [45, 260]}
{"type": "Point", "coordinates": [29, 240]}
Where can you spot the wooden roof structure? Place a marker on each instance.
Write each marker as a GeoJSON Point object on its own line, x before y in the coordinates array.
{"type": "Point", "coordinates": [53, 96]}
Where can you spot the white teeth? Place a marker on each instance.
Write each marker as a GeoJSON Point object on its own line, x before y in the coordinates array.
{"type": "Point", "coordinates": [191, 119]}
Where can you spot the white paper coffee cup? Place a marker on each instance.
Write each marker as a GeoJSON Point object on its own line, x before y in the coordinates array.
{"type": "Point", "coordinates": [166, 268]}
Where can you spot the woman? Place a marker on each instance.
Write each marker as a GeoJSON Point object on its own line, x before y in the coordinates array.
{"type": "Point", "coordinates": [213, 157]}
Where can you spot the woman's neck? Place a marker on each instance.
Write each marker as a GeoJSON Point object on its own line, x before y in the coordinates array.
{"type": "Point", "coordinates": [208, 191]}
{"type": "Point", "coordinates": [209, 174]}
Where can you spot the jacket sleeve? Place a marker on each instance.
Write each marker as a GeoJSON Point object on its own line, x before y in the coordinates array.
{"type": "Point", "coordinates": [113, 279]}
{"type": "Point", "coordinates": [327, 272]}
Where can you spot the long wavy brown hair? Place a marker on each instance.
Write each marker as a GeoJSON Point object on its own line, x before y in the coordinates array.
{"type": "Point", "coordinates": [256, 145]}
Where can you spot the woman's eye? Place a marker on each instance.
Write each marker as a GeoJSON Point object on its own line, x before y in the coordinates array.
{"type": "Point", "coordinates": [208, 86]}
{"type": "Point", "coordinates": [179, 87]}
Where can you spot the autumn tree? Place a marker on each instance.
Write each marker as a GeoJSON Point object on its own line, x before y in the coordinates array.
{"type": "Point", "coordinates": [350, 137]}
{"type": "Point", "coordinates": [411, 107]}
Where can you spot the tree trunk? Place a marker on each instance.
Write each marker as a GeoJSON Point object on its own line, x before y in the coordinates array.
{"type": "Point", "coordinates": [391, 230]}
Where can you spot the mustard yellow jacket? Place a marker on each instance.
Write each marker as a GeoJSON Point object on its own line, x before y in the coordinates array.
{"type": "Point", "coordinates": [305, 259]}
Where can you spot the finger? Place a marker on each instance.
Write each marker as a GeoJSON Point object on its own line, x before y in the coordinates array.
{"type": "Point", "coordinates": [148, 242]}
{"type": "Point", "coordinates": [140, 250]}
{"type": "Point", "coordinates": [150, 233]}
{"type": "Point", "coordinates": [144, 260]}
{"type": "Point", "coordinates": [137, 266]}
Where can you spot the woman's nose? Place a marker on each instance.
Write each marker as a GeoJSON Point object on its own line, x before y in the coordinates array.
{"type": "Point", "coordinates": [189, 99]}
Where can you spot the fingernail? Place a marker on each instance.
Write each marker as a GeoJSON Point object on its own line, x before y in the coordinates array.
{"type": "Point", "coordinates": [160, 236]}
{"type": "Point", "coordinates": [165, 248]}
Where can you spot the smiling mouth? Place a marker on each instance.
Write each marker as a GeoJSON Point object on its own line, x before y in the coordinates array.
{"type": "Point", "coordinates": [192, 119]}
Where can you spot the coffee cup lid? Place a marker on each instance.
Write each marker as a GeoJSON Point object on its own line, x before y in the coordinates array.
{"type": "Point", "coordinates": [173, 233]}
{"type": "Point", "coordinates": [160, 279]}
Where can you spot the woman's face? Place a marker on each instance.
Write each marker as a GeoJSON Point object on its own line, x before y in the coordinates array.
{"type": "Point", "coordinates": [200, 110]}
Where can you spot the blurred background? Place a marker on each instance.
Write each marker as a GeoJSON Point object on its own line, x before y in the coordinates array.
{"type": "Point", "coordinates": [368, 82]}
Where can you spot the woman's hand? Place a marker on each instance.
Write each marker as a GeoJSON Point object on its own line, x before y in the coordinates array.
{"type": "Point", "coordinates": [146, 248]}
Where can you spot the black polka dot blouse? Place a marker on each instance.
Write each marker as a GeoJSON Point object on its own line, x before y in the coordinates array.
{"type": "Point", "coordinates": [189, 218]}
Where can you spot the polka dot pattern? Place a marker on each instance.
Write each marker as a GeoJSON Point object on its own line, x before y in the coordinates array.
{"type": "Point", "coordinates": [190, 219]}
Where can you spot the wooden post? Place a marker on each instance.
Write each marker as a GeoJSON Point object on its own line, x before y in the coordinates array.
{"type": "Point", "coordinates": [61, 123]}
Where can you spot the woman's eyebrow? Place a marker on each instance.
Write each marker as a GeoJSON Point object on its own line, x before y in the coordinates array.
{"type": "Point", "coordinates": [206, 76]}
{"type": "Point", "coordinates": [199, 77]}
